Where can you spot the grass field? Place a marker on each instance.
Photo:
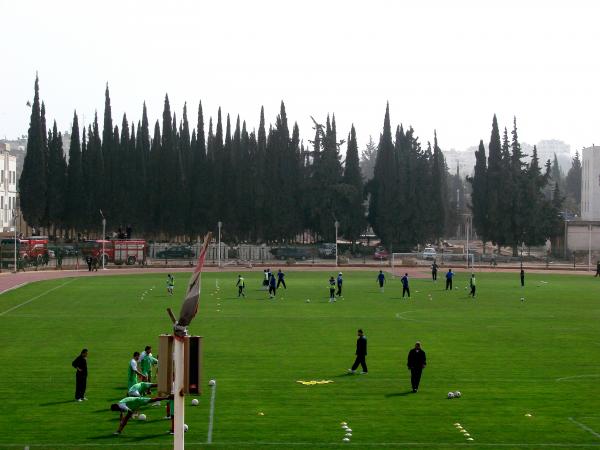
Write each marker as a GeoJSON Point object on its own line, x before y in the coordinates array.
{"type": "Point", "coordinates": [508, 358]}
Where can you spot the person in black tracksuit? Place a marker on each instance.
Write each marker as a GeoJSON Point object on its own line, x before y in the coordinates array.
{"type": "Point", "coordinates": [416, 363]}
{"type": "Point", "coordinates": [449, 276]}
{"type": "Point", "coordinates": [361, 354]}
{"type": "Point", "coordinates": [597, 269]}
{"type": "Point", "coordinates": [522, 278]}
{"type": "Point", "coordinates": [405, 288]}
{"type": "Point", "coordinates": [281, 279]}
{"type": "Point", "coordinates": [80, 365]}
{"type": "Point", "coordinates": [434, 269]}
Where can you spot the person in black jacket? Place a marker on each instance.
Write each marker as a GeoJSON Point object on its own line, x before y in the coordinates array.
{"type": "Point", "coordinates": [80, 365]}
{"type": "Point", "coordinates": [416, 363]}
{"type": "Point", "coordinates": [361, 353]}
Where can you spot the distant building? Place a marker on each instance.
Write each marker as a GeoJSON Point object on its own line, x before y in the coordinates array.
{"type": "Point", "coordinates": [590, 183]}
{"type": "Point", "coordinates": [8, 187]}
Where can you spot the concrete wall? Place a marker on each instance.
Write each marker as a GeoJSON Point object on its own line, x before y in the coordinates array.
{"type": "Point", "coordinates": [578, 236]}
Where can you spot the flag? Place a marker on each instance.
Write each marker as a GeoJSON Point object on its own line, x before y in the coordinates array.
{"type": "Point", "coordinates": [189, 308]}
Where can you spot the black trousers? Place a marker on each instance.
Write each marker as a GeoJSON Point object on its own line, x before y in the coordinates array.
{"type": "Point", "coordinates": [360, 359]}
{"type": "Point", "coordinates": [448, 283]}
{"type": "Point", "coordinates": [405, 289]}
{"type": "Point", "coordinates": [522, 281]}
{"type": "Point", "coordinates": [339, 291]}
{"type": "Point", "coordinates": [80, 385]}
{"type": "Point", "coordinates": [434, 275]}
{"type": "Point", "coordinates": [281, 281]}
{"type": "Point", "coordinates": [415, 377]}
{"type": "Point", "coordinates": [272, 290]}
{"type": "Point", "coordinates": [241, 290]}
{"type": "Point", "coordinates": [472, 291]}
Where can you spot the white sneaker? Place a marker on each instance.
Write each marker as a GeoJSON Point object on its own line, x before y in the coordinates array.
{"type": "Point", "coordinates": [364, 373]}
{"type": "Point", "coordinates": [351, 371]}
{"type": "Point", "coordinates": [79, 399]}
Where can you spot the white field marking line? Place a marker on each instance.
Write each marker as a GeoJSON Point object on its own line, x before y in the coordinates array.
{"type": "Point", "coordinates": [211, 416]}
{"type": "Point", "coordinates": [578, 376]}
{"type": "Point", "coordinates": [585, 427]}
{"type": "Point", "coordinates": [310, 444]}
{"type": "Point", "coordinates": [36, 297]}
{"type": "Point", "coordinates": [16, 286]}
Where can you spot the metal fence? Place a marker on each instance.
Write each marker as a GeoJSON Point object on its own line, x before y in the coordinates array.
{"type": "Point", "coordinates": [70, 256]}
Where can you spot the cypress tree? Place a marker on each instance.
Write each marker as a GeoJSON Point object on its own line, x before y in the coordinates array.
{"type": "Point", "coordinates": [32, 183]}
{"type": "Point", "coordinates": [479, 195]}
{"type": "Point", "coordinates": [383, 187]}
{"type": "Point", "coordinates": [573, 183]}
{"type": "Point", "coordinates": [354, 221]}
{"type": "Point", "coordinates": [107, 156]}
{"type": "Point", "coordinates": [75, 190]}
{"type": "Point", "coordinates": [439, 200]}
{"type": "Point", "coordinates": [57, 180]}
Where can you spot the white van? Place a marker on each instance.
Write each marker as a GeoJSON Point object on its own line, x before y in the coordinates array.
{"type": "Point", "coordinates": [429, 253]}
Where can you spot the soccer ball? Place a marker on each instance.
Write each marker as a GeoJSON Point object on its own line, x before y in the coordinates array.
{"type": "Point", "coordinates": [195, 402]}
{"type": "Point", "coordinates": [450, 394]}
{"type": "Point", "coordinates": [142, 417]}
{"type": "Point", "coordinates": [457, 394]}
{"type": "Point", "coordinates": [212, 382]}
{"type": "Point", "coordinates": [308, 300]}
{"type": "Point", "coordinates": [185, 427]}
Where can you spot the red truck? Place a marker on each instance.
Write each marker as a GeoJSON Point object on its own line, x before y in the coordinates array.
{"type": "Point", "coordinates": [118, 251]}
{"type": "Point", "coordinates": [30, 251]}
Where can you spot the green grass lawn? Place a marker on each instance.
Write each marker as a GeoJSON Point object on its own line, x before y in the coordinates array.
{"type": "Point", "coordinates": [508, 358]}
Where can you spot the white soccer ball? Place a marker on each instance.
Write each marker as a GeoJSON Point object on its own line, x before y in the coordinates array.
{"type": "Point", "coordinates": [142, 417]}
{"type": "Point", "coordinates": [457, 394]}
{"type": "Point", "coordinates": [195, 402]}
{"type": "Point", "coordinates": [212, 382]}
{"type": "Point", "coordinates": [450, 394]}
{"type": "Point", "coordinates": [308, 300]}
{"type": "Point", "coordinates": [185, 427]}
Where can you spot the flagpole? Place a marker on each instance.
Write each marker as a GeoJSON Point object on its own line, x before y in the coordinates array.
{"type": "Point", "coordinates": [189, 308]}
{"type": "Point", "coordinates": [178, 400]}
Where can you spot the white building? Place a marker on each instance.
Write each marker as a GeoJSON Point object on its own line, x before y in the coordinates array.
{"type": "Point", "coordinates": [8, 188]}
{"type": "Point", "coordinates": [590, 184]}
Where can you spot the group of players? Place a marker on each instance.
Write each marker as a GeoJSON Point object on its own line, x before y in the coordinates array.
{"type": "Point", "coordinates": [272, 282]}
{"type": "Point", "coordinates": [139, 389]}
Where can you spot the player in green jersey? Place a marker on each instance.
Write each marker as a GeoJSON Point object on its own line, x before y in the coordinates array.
{"type": "Point", "coordinates": [146, 362]}
{"type": "Point", "coordinates": [140, 389]}
{"type": "Point", "coordinates": [128, 405]}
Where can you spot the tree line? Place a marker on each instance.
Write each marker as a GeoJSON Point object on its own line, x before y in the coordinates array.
{"type": "Point", "coordinates": [514, 201]}
{"type": "Point", "coordinates": [178, 180]}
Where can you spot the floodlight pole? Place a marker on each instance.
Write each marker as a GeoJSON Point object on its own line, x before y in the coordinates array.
{"type": "Point", "coordinates": [337, 225]}
{"type": "Point", "coordinates": [219, 224]}
{"type": "Point", "coordinates": [103, 238]}
{"type": "Point", "coordinates": [467, 241]}
{"type": "Point", "coordinates": [589, 247]}
{"type": "Point", "coordinates": [15, 217]}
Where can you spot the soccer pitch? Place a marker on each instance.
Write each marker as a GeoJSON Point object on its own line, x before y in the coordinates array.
{"type": "Point", "coordinates": [529, 372]}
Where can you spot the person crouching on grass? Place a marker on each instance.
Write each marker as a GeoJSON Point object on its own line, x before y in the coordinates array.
{"type": "Point", "coordinates": [140, 389]}
{"type": "Point", "coordinates": [128, 405]}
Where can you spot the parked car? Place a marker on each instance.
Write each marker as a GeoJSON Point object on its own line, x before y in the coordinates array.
{"type": "Point", "coordinates": [381, 254]}
{"type": "Point", "coordinates": [327, 251]}
{"type": "Point", "coordinates": [178, 251]}
{"type": "Point", "coordinates": [291, 253]}
{"type": "Point", "coordinates": [429, 253]}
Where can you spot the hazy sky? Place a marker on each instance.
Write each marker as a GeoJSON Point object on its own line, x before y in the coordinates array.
{"type": "Point", "coordinates": [445, 65]}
